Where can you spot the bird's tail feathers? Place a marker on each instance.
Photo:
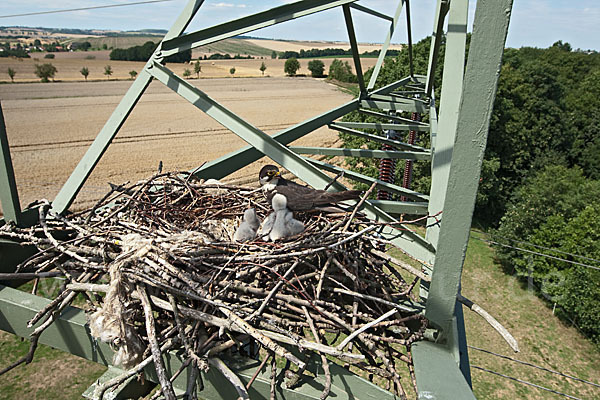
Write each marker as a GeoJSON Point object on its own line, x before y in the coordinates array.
{"type": "Point", "coordinates": [346, 195]}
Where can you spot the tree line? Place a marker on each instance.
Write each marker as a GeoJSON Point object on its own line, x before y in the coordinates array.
{"type": "Point", "coordinates": [540, 181]}
{"type": "Point", "coordinates": [329, 52]}
{"type": "Point", "coordinates": [144, 52]}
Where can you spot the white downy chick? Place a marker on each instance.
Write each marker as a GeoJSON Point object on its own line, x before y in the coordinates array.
{"type": "Point", "coordinates": [267, 225]}
{"type": "Point", "coordinates": [279, 230]}
{"type": "Point", "coordinates": [293, 225]}
{"type": "Point", "coordinates": [247, 229]}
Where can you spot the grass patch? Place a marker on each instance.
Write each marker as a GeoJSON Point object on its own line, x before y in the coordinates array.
{"type": "Point", "coordinates": [543, 339]}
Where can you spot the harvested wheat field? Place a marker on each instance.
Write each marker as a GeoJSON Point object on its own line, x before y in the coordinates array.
{"type": "Point", "coordinates": [293, 45]}
{"type": "Point", "coordinates": [51, 125]}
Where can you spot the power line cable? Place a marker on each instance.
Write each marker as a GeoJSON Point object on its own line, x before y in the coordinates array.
{"type": "Point", "coordinates": [546, 248]}
{"type": "Point", "coordinates": [526, 383]}
{"type": "Point", "coordinates": [84, 8]}
{"type": "Point", "coordinates": [534, 366]}
{"type": "Point", "coordinates": [538, 253]}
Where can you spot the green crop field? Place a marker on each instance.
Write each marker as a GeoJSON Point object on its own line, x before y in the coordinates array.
{"type": "Point", "coordinates": [236, 46]}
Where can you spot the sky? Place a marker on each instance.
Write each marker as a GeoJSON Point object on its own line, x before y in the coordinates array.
{"type": "Point", "coordinates": [536, 23]}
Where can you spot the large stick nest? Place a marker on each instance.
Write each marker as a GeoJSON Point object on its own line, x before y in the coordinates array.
{"type": "Point", "coordinates": [159, 271]}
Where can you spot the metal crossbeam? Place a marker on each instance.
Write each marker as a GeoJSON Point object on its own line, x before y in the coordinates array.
{"type": "Point", "coordinates": [452, 82]}
{"type": "Point", "coordinates": [390, 117]}
{"type": "Point", "coordinates": [382, 126]}
{"type": "Point", "coordinates": [435, 360]}
{"type": "Point", "coordinates": [9, 197]}
{"type": "Point", "coordinates": [411, 67]}
{"type": "Point", "coordinates": [371, 11]}
{"type": "Point", "coordinates": [479, 89]}
{"type": "Point", "coordinates": [327, 151]}
{"type": "Point", "coordinates": [441, 10]}
{"type": "Point", "coordinates": [401, 207]}
{"type": "Point", "coordinates": [248, 24]}
{"type": "Point", "coordinates": [385, 46]}
{"type": "Point", "coordinates": [390, 187]}
{"type": "Point", "coordinates": [395, 104]}
{"type": "Point", "coordinates": [354, 47]}
{"type": "Point", "coordinates": [378, 139]}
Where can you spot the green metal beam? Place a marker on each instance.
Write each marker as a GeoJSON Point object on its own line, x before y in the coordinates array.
{"type": "Point", "coordinates": [82, 171]}
{"type": "Point", "coordinates": [391, 117]}
{"type": "Point", "coordinates": [131, 388]}
{"type": "Point", "coordinates": [436, 40]}
{"type": "Point", "coordinates": [411, 67]}
{"type": "Point", "coordinates": [416, 105]}
{"type": "Point", "coordinates": [385, 46]}
{"type": "Point", "coordinates": [378, 139]}
{"type": "Point", "coordinates": [354, 47]}
{"type": "Point", "coordinates": [371, 11]}
{"type": "Point", "coordinates": [451, 94]}
{"type": "Point", "coordinates": [326, 151]}
{"type": "Point", "coordinates": [387, 102]}
{"type": "Point", "coordinates": [437, 373]}
{"type": "Point", "coordinates": [381, 126]}
{"type": "Point", "coordinates": [408, 106]}
{"type": "Point", "coordinates": [248, 24]}
{"type": "Point", "coordinates": [390, 187]}
{"type": "Point", "coordinates": [401, 207]}
{"type": "Point", "coordinates": [433, 122]}
{"type": "Point", "coordinates": [69, 333]}
{"type": "Point", "coordinates": [479, 90]}
{"type": "Point", "coordinates": [9, 196]}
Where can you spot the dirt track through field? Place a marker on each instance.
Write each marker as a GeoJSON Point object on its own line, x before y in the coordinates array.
{"type": "Point", "coordinates": [50, 126]}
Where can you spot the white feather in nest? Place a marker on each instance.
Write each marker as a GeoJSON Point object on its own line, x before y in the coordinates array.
{"type": "Point", "coordinates": [112, 323]}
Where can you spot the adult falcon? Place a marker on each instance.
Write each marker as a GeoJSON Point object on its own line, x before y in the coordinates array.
{"type": "Point", "coordinates": [299, 197]}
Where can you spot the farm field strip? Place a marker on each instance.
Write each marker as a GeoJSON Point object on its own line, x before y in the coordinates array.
{"type": "Point", "coordinates": [140, 138]}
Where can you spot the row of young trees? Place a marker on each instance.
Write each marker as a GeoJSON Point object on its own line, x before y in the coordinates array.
{"type": "Point", "coordinates": [338, 70]}
{"type": "Point", "coordinates": [540, 179]}
{"type": "Point", "coordinates": [48, 71]}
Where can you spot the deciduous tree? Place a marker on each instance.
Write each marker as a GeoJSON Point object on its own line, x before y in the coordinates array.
{"type": "Point", "coordinates": [85, 72]}
{"type": "Point", "coordinates": [316, 67]}
{"type": "Point", "coordinates": [108, 71]}
{"type": "Point", "coordinates": [45, 71]}
{"type": "Point", "coordinates": [11, 72]}
{"type": "Point", "coordinates": [197, 68]}
{"type": "Point", "coordinates": [291, 66]}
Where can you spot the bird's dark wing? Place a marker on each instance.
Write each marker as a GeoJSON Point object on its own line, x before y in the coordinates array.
{"type": "Point", "coordinates": [302, 198]}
